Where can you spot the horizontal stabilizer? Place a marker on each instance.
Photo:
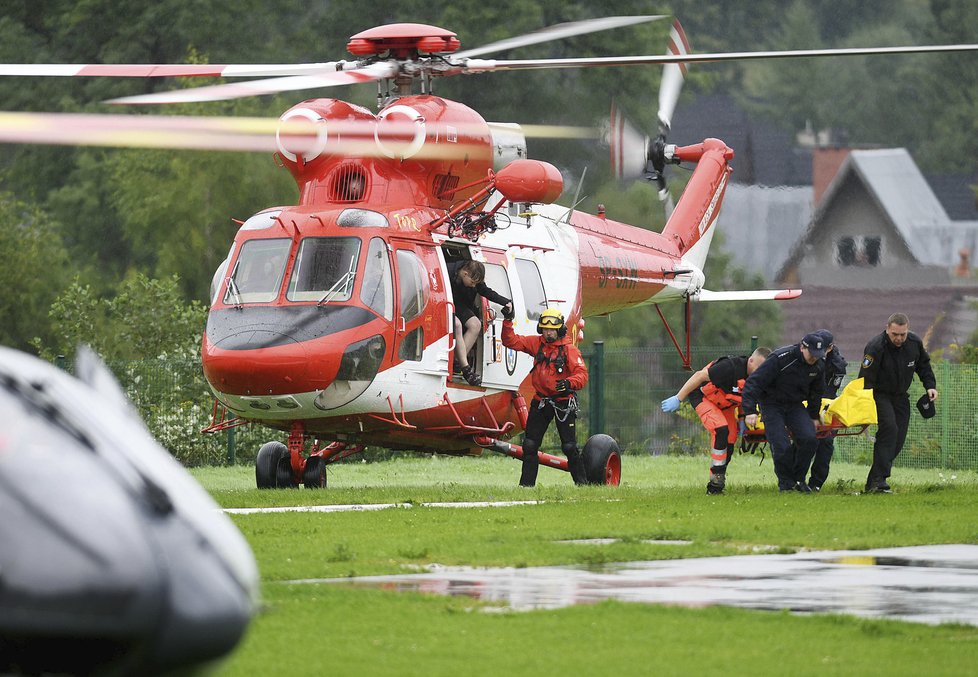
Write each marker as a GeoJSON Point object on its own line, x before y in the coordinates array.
{"type": "Point", "coordinates": [747, 295]}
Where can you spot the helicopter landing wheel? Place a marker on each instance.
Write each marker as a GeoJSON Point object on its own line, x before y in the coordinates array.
{"type": "Point", "coordinates": [284, 477]}
{"type": "Point", "coordinates": [602, 460]}
{"type": "Point", "coordinates": [314, 475]}
{"type": "Point", "coordinates": [267, 462]}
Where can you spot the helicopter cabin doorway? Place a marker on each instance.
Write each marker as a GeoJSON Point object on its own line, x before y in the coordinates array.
{"type": "Point", "coordinates": [486, 350]}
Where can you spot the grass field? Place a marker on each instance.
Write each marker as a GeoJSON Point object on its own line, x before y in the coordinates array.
{"type": "Point", "coordinates": [324, 629]}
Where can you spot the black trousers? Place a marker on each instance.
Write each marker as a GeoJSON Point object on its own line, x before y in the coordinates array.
{"type": "Point", "coordinates": [893, 414]}
{"type": "Point", "coordinates": [791, 460]}
{"type": "Point", "coordinates": [537, 422]}
{"type": "Point", "coordinates": [820, 466]}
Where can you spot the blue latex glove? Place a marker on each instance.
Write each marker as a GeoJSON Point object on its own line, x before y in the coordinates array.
{"type": "Point", "coordinates": [671, 404]}
{"type": "Point", "coordinates": [741, 427]}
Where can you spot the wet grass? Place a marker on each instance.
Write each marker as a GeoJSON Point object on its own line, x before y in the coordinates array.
{"type": "Point", "coordinates": [354, 631]}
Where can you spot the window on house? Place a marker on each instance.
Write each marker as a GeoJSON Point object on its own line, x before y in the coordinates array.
{"type": "Point", "coordinates": [859, 251]}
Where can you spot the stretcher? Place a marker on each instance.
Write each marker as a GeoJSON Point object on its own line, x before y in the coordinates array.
{"type": "Point", "coordinates": [850, 413]}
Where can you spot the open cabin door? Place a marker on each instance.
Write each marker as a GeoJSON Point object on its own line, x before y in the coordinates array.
{"type": "Point", "coordinates": [420, 323]}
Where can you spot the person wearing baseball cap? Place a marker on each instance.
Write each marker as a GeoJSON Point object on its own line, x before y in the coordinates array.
{"type": "Point", "coordinates": [788, 379]}
{"type": "Point", "coordinates": [835, 374]}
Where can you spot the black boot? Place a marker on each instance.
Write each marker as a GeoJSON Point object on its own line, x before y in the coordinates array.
{"type": "Point", "coordinates": [718, 480]}
{"type": "Point", "coordinates": [575, 463]}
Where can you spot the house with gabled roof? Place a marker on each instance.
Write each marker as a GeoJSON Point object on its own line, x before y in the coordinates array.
{"type": "Point", "coordinates": [880, 242]}
{"type": "Point", "coordinates": [862, 232]}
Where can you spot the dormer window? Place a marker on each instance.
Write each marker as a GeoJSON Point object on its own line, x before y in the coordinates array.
{"type": "Point", "coordinates": [863, 251]}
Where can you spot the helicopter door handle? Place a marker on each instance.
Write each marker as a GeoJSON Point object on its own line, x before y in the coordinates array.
{"type": "Point", "coordinates": [402, 326]}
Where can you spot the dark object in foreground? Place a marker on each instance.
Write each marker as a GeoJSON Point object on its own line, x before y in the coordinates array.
{"type": "Point", "coordinates": [113, 560]}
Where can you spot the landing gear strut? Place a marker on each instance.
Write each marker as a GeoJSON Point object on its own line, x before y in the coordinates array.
{"type": "Point", "coordinates": [284, 467]}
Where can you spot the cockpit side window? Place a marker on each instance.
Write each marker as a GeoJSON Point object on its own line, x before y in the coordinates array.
{"type": "Point", "coordinates": [325, 269]}
{"type": "Point", "coordinates": [377, 291]}
{"type": "Point", "coordinates": [257, 275]}
{"type": "Point", "coordinates": [219, 275]}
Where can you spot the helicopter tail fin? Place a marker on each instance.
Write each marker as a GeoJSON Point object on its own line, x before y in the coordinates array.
{"type": "Point", "coordinates": [690, 227]}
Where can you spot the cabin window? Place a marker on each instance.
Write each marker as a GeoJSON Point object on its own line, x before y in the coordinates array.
{"type": "Point", "coordinates": [497, 281]}
{"type": "Point", "coordinates": [258, 272]}
{"type": "Point", "coordinates": [533, 294]}
{"type": "Point", "coordinates": [377, 291]}
{"type": "Point", "coordinates": [325, 269]}
{"type": "Point", "coordinates": [414, 284]}
{"type": "Point", "coordinates": [859, 251]}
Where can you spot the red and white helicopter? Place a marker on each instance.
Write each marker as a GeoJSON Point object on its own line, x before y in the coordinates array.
{"type": "Point", "coordinates": [332, 319]}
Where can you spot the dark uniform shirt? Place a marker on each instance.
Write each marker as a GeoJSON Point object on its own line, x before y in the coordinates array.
{"type": "Point", "coordinates": [726, 374]}
{"type": "Point", "coordinates": [889, 370]}
{"type": "Point", "coordinates": [835, 372]}
{"type": "Point", "coordinates": [785, 378]}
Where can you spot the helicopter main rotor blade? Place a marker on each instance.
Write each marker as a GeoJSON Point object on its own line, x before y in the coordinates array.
{"type": "Point", "coordinates": [140, 131]}
{"type": "Point", "coordinates": [236, 90]}
{"type": "Point", "coordinates": [673, 76]}
{"type": "Point", "coordinates": [560, 31]}
{"type": "Point", "coordinates": [489, 65]}
{"type": "Point", "coordinates": [246, 134]}
{"type": "Point", "coordinates": [163, 70]}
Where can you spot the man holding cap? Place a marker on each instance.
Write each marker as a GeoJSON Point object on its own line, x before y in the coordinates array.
{"type": "Point", "coordinates": [788, 378]}
{"type": "Point", "coordinates": [889, 363]}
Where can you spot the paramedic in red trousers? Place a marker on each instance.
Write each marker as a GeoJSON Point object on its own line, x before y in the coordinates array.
{"type": "Point", "coordinates": [788, 378]}
{"type": "Point", "coordinates": [558, 372]}
{"type": "Point", "coordinates": [889, 363]}
{"type": "Point", "coordinates": [715, 392]}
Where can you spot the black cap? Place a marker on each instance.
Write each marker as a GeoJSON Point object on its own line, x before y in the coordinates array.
{"type": "Point", "coordinates": [925, 406]}
{"type": "Point", "coordinates": [816, 345]}
{"type": "Point", "coordinates": [826, 335]}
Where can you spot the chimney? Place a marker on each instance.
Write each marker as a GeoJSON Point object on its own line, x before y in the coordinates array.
{"type": "Point", "coordinates": [825, 165]}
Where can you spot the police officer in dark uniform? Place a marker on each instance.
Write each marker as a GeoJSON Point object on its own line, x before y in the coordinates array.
{"type": "Point", "coordinates": [787, 378]}
{"type": "Point", "coordinates": [889, 363]}
{"type": "Point", "coordinates": [835, 374]}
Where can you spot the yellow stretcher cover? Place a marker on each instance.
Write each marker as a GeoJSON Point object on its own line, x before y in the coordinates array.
{"type": "Point", "coordinates": [854, 406]}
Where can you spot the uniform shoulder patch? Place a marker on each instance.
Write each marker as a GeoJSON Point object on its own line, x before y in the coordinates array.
{"type": "Point", "coordinates": [868, 360]}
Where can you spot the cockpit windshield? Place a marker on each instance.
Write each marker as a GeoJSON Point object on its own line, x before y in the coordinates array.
{"type": "Point", "coordinates": [257, 274]}
{"type": "Point", "coordinates": [325, 269]}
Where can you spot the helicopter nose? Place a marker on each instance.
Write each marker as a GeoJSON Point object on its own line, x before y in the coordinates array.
{"type": "Point", "coordinates": [276, 364]}
{"type": "Point", "coordinates": [287, 351]}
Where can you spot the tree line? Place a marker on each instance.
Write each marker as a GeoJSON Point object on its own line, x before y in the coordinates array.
{"type": "Point", "coordinates": [117, 247]}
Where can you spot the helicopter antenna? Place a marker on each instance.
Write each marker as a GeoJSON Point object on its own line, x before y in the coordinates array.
{"type": "Point", "coordinates": [577, 198]}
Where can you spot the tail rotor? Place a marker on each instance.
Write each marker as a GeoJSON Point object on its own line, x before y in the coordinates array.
{"type": "Point", "coordinates": [635, 155]}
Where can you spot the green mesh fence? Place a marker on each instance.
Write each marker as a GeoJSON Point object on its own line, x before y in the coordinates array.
{"type": "Point", "coordinates": [175, 402]}
{"type": "Point", "coordinates": [637, 380]}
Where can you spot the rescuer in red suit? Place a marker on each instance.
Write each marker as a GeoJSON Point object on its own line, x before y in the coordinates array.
{"type": "Point", "coordinates": [558, 372]}
{"type": "Point", "coordinates": [715, 391]}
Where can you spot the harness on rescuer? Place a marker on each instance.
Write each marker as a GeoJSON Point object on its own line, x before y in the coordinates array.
{"type": "Point", "coordinates": [563, 407]}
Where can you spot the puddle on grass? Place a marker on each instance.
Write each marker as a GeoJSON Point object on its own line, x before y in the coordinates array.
{"type": "Point", "coordinates": [924, 584]}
